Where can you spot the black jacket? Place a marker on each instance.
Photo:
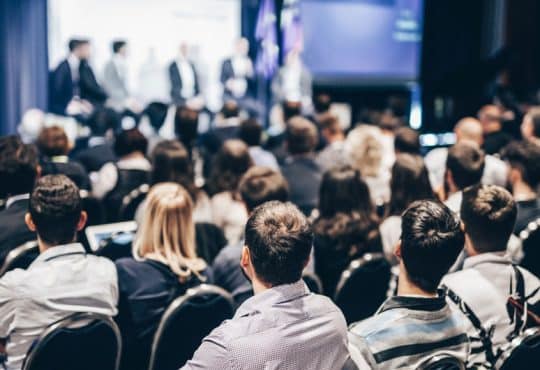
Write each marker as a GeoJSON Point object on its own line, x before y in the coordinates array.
{"type": "Point", "coordinates": [13, 229]}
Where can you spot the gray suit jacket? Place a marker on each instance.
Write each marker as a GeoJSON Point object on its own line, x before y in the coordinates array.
{"type": "Point", "coordinates": [115, 85]}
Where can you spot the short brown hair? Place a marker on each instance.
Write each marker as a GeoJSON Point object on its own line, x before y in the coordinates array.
{"type": "Point", "coordinates": [302, 136]}
{"type": "Point", "coordinates": [53, 141]}
{"type": "Point", "coordinates": [407, 140]}
{"type": "Point", "coordinates": [466, 162]}
{"type": "Point", "coordinates": [260, 185]}
{"type": "Point", "coordinates": [489, 214]}
{"type": "Point", "coordinates": [331, 123]}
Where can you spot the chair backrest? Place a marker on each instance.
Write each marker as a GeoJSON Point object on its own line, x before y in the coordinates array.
{"type": "Point", "coordinates": [363, 287]}
{"type": "Point", "coordinates": [313, 282]}
{"type": "Point", "coordinates": [186, 322]}
{"type": "Point", "coordinates": [116, 246]}
{"type": "Point", "coordinates": [522, 353]}
{"type": "Point", "coordinates": [93, 208]}
{"type": "Point", "coordinates": [530, 239]}
{"type": "Point", "coordinates": [20, 257]}
{"type": "Point", "coordinates": [131, 202]}
{"type": "Point", "coordinates": [442, 362]}
{"type": "Point", "coordinates": [82, 341]}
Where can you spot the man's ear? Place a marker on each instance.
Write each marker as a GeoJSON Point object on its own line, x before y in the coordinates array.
{"type": "Point", "coordinates": [397, 250]}
{"type": "Point", "coordinates": [38, 171]}
{"type": "Point", "coordinates": [245, 259]}
{"type": "Point", "coordinates": [82, 220]}
{"type": "Point", "coordinates": [29, 222]}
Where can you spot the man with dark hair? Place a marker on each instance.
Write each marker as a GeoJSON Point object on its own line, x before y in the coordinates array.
{"type": "Point", "coordinates": [19, 169]}
{"type": "Point", "coordinates": [530, 127]}
{"type": "Point", "coordinates": [464, 167]}
{"type": "Point", "coordinates": [491, 117]}
{"type": "Point", "coordinates": [62, 280]}
{"type": "Point", "coordinates": [333, 155]}
{"type": "Point", "coordinates": [283, 325]}
{"type": "Point", "coordinates": [488, 214]}
{"type": "Point", "coordinates": [407, 140]}
{"type": "Point", "coordinates": [300, 168]}
{"type": "Point", "coordinates": [417, 323]}
{"type": "Point", "coordinates": [251, 133]}
{"type": "Point", "coordinates": [257, 186]}
{"type": "Point", "coordinates": [115, 77]}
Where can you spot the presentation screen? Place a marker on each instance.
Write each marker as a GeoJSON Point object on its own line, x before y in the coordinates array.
{"type": "Point", "coordinates": [356, 41]}
{"type": "Point", "coordinates": [154, 31]}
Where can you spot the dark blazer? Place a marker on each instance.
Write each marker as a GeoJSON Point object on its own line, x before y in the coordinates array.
{"type": "Point", "coordinates": [72, 169]}
{"type": "Point", "coordinates": [93, 158]}
{"type": "Point", "coordinates": [61, 88]}
{"type": "Point", "coordinates": [13, 229]}
{"type": "Point", "coordinates": [176, 82]}
{"type": "Point", "coordinates": [89, 88]}
{"type": "Point", "coordinates": [227, 72]}
{"type": "Point", "coordinates": [304, 177]}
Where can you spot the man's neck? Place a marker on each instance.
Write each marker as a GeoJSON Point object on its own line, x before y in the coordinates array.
{"type": "Point", "coordinates": [43, 246]}
{"type": "Point", "coordinates": [407, 288]}
{"type": "Point", "coordinates": [522, 191]}
{"type": "Point", "coordinates": [259, 286]}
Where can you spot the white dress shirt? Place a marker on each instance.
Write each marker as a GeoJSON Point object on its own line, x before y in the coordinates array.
{"type": "Point", "coordinates": [74, 64]}
{"type": "Point", "coordinates": [188, 78]}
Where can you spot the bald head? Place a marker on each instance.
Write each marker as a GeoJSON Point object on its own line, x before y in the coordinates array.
{"type": "Point", "coordinates": [469, 128]}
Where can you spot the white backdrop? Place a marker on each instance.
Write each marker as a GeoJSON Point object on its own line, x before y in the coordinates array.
{"type": "Point", "coordinates": [154, 30]}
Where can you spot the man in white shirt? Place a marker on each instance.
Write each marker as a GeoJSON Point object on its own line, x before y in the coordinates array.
{"type": "Point", "coordinates": [62, 280]}
{"type": "Point", "coordinates": [183, 78]}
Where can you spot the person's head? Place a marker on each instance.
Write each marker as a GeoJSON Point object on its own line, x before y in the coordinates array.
{"type": "Point", "coordinates": [129, 142]}
{"type": "Point", "coordinates": [80, 48]}
{"type": "Point", "coordinates": [410, 182]}
{"type": "Point", "coordinates": [364, 150]}
{"type": "Point", "coordinates": [291, 109]}
{"type": "Point", "coordinates": [251, 132]}
{"type": "Point", "coordinates": [464, 165]}
{"type": "Point", "coordinates": [186, 123]}
{"type": "Point", "coordinates": [491, 118]}
{"type": "Point", "coordinates": [469, 128]}
{"type": "Point", "coordinates": [156, 113]}
{"type": "Point", "coordinates": [55, 211]}
{"type": "Point", "coordinates": [278, 240]}
{"type": "Point", "coordinates": [167, 232]}
{"type": "Point", "coordinates": [530, 127]}
{"type": "Point", "coordinates": [119, 47]}
{"type": "Point", "coordinates": [407, 140]}
{"type": "Point", "coordinates": [229, 165]}
{"type": "Point", "coordinates": [241, 48]}
{"type": "Point", "coordinates": [331, 128]}
{"type": "Point", "coordinates": [260, 185]}
{"type": "Point", "coordinates": [184, 50]}
{"type": "Point", "coordinates": [102, 120]}
{"type": "Point", "coordinates": [431, 240]}
{"type": "Point", "coordinates": [302, 136]}
{"type": "Point", "coordinates": [19, 166]}
{"type": "Point", "coordinates": [230, 109]}
{"type": "Point", "coordinates": [488, 213]}
{"type": "Point", "coordinates": [524, 161]}
{"type": "Point", "coordinates": [53, 141]}
{"type": "Point", "coordinates": [322, 103]}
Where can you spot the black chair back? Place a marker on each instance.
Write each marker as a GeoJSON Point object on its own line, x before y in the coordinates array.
{"type": "Point", "coordinates": [363, 287]}
{"type": "Point", "coordinates": [442, 362]}
{"type": "Point", "coordinates": [128, 180]}
{"type": "Point", "coordinates": [116, 246]}
{"type": "Point", "coordinates": [313, 282]}
{"type": "Point", "coordinates": [186, 322]}
{"type": "Point", "coordinates": [530, 239]}
{"type": "Point", "coordinates": [522, 353]}
{"type": "Point", "coordinates": [20, 257]}
{"type": "Point", "coordinates": [132, 201]}
{"type": "Point", "coordinates": [93, 208]}
{"type": "Point", "coordinates": [82, 341]}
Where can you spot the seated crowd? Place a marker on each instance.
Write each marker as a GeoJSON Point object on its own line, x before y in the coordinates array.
{"type": "Point", "coordinates": [256, 214]}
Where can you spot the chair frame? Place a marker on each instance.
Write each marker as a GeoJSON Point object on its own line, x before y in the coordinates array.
{"type": "Point", "coordinates": [355, 264]}
{"type": "Point", "coordinates": [68, 323]}
{"type": "Point", "coordinates": [127, 199]}
{"type": "Point", "coordinates": [16, 253]}
{"type": "Point", "coordinates": [516, 342]}
{"type": "Point", "coordinates": [315, 279]}
{"type": "Point", "coordinates": [441, 357]}
{"type": "Point", "coordinates": [200, 290]}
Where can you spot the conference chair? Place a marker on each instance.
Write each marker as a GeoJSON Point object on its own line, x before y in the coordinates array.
{"type": "Point", "coordinates": [442, 362]}
{"type": "Point", "coordinates": [530, 239]}
{"type": "Point", "coordinates": [185, 323]}
{"type": "Point", "coordinates": [131, 202]}
{"type": "Point", "coordinates": [82, 341]}
{"type": "Point", "coordinates": [313, 282]}
{"type": "Point", "coordinates": [20, 257]}
{"type": "Point", "coordinates": [522, 353]}
{"type": "Point", "coordinates": [363, 287]}
{"type": "Point", "coordinates": [93, 208]}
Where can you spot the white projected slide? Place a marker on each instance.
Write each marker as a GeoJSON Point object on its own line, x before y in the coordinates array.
{"type": "Point", "coordinates": [154, 31]}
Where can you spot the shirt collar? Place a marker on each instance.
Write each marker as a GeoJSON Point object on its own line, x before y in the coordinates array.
{"type": "Point", "coordinates": [60, 159]}
{"type": "Point", "coordinates": [415, 303]}
{"type": "Point", "coordinates": [492, 257]}
{"type": "Point", "coordinates": [16, 198]}
{"type": "Point", "coordinates": [58, 252]}
{"type": "Point", "coordinates": [273, 296]}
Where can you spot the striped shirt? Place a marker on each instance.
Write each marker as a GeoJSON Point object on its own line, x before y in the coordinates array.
{"type": "Point", "coordinates": [406, 331]}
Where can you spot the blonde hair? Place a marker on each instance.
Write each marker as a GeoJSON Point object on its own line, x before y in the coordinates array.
{"type": "Point", "coordinates": [364, 150]}
{"type": "Point", "coordinates": [167, 232]}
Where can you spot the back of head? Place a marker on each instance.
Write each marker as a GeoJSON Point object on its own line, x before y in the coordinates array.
{"type": "Point", "coordinates": [291, 109]}
{"type": "Point", "coordinates": [469, 128]}
{"type": "Point", "coordinates": [55, 208]}
{"type": "Point", "coordinates": [251, 132]}
{"type": "Point", "coordinates": [431, 241]}
{"type": "Point", "coordinates": [53, 141]}
{"type": "Point", "coordinates": [302, 136]}
{"type": "Point", "coordinates": [489, 214]}
{"type": "Point", "coordinates": [410, 182]}
{"type": "Point", "coordinates": [230, 109]}
{"type": "Point", "coordinates": [129, 142]}
{"type": "Point", "coordinates": [229, 165]}
{"type": "Point", "coordinates": [524, 157]}
{"type": "Point", "coordinates": [490, 116]}
{"type": "Point", "coordinates": [466, 163]}
{"type": "Point", "coordinates": [407, 140]}
{"type": "Point", "coordinates": [260, 185]}
{"type": "Point", "coordinates": [330, 124]}
{"type": "Point", "coordinates": [364, 150]}
{"type": "Point", "coordinates": [533, 115]}
{"type": "Point", "coordinates": [103, 120]}
{"type": "Point", "coordinates": [18, 166]}
{"type": "Point", "coordinates": [321, 103]}
{"type": "Point", "coordinates": [279, 239]}
{"type": "Point", "coordinates": [186, 123]}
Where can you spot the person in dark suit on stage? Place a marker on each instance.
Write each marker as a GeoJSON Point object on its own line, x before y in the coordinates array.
{"type": "Point", "coordinates": [183, 78]}
{"type": "Point", "coordinates": [237, 73]}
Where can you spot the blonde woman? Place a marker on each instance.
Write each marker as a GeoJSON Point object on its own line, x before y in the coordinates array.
{"type": "Point", "coordinates": [164, 266]}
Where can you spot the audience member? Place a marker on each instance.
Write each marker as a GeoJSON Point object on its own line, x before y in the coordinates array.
{"type": "Point", "coordinates": [62, 280]}
{"type": "Point", "coordinates": [464, 167]}
{"type": "Point", "coordinates": [228, 211]}
{"type": "Point", "coordinates": [300, 168]}
{"type": "Point", "coordinates": [530, 127]}
{"type": "Point", "coordinates": [54, 147]}
{"type": "Point", "coordinates": [417, 323]}
{"type": "Point", "coordinates": [407, 140]}
{"type": "Point", "coordinates": [347, 226]}
{"type": "Point", "coordinates": [115, 77]}
{"type": "Point", "coordinates": [152, 124]}
{"type": "Point", "coordinates": [410, 182]}
{"type": "Point", "coordinates": [283, 325]}
{"type": "Point", "coordinates": [251, 133]}
{"type": "Point", "coordinates": [19, 169]}
{"type": "Point", "coordinates": [333, 155]}
{"type": "Point", "coordinates": [257, 186]}
{"type": "Point", "coordinates": [488, 214]}
{"type": "Point", "coordinates": [491, 118]}
{"type": "Point", "coordinates": [186, 124]}
{"type": "Point", "coordinates": [165, 265]}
